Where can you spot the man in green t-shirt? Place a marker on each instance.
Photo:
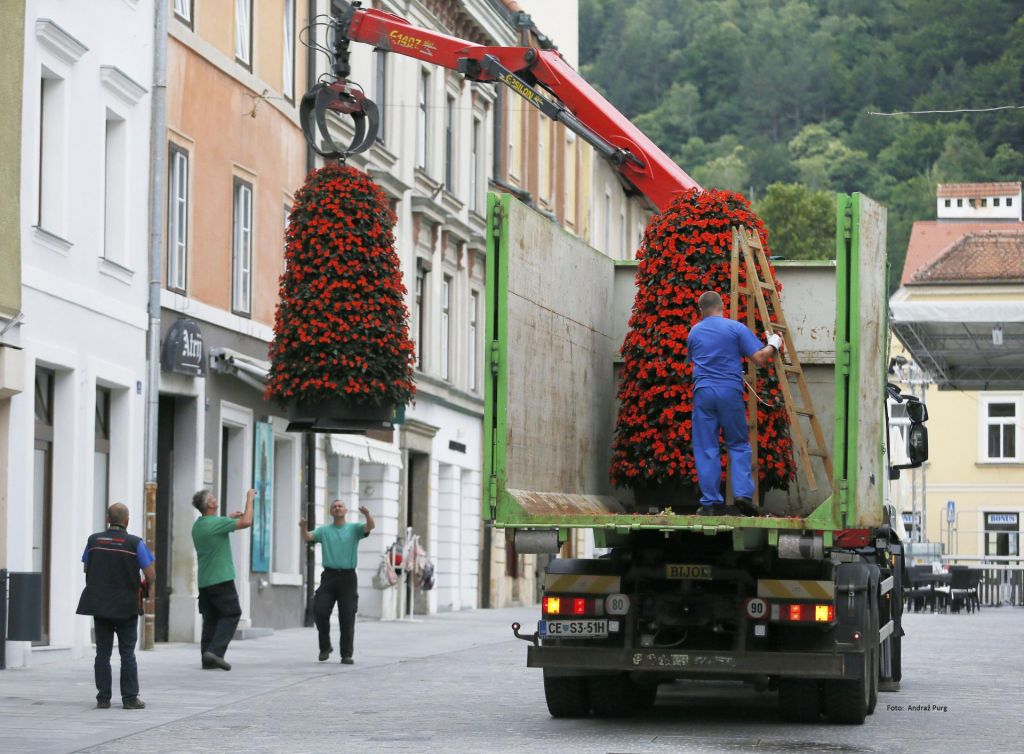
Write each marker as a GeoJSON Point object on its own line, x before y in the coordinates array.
{"type": "Point", "coordinates": [339, 544]}
{"type": "Point", "coordinates": [218, 598]}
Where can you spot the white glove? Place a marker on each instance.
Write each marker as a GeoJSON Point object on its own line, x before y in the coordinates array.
{"type": "Point", "coordinates": [775, 340]}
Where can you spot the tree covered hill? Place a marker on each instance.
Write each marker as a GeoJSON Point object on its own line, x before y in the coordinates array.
{"type": "Point", "coordinates": [745, 94]}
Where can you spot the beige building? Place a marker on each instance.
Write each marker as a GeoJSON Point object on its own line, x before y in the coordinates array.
{"type": "Point", "coordinates": [12, 51]}
{"type": "Point", "coordinates": [959, 317]}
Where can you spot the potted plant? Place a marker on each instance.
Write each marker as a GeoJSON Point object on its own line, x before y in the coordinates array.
{"type": "Point", "coordinates": [686, 250]}
{"type": "Point", "coordinates": [341, 358]}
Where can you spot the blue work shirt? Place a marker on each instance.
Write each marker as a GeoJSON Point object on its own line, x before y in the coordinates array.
{"type": "Point", "coordinates": [716, 347]}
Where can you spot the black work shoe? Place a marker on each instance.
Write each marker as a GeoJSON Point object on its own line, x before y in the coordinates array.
{"type": "Point", "coordinates": [722, 510]}
{"type": "Point", "coordinates": [132, 702]}
{"type": "Point", "coordinates": [103, 705]}
{"type": "Point", "coordinates": [347, 661]}
{"type": "Point", "coordinates": [746, 506]}
{"type": "Point", "coordinates": [213, 661]}
{"type": "Point", "coordinates": [324, 654]}
{"type": "Point", "coordinates": [710, 510]}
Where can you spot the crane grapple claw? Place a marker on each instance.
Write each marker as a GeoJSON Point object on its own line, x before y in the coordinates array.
{"type": "Point", "coordinates": [343, 98]}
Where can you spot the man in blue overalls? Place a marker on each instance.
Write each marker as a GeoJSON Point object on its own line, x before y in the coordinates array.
{"type": "Point", "coordinates": [716, 347]}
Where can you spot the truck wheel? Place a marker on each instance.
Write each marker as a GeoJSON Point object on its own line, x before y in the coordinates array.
{"type": "Point", "coordinates": [799, 700]}
{"type": "Point", "coordinates": [846, 702]}
{"type": "Point", "coordinates": [566, 696]}
{"type": "Point", "coordinates": [614, 696]}
{"type": "Point", "coordinates": [646, 695]}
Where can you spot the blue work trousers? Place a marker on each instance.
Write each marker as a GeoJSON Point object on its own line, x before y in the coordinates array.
{"type": "Point", "coordinates": [716, 408]}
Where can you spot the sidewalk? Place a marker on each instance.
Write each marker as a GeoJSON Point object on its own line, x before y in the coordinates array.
{"type": "Point", "coordinates": [52, 708]}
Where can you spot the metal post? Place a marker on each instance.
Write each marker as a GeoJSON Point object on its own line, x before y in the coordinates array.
{"type": "Point", "coordinates": [3, 619]}
{"type": "Point", "coordinates": [310, 440]}
{"type": "Point", "coordinates": [157, 150]}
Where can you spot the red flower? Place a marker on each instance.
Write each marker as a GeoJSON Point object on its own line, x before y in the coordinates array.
{"type": "Point", "coordinates": [342, 327]}
{"type": "Point", "coordinates": [686, 250]}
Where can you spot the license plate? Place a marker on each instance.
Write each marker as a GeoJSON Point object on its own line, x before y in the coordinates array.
{"type": "Point", "coordinates": [688, 571]}
{"type": "Point", "coordinates": [579, 629]}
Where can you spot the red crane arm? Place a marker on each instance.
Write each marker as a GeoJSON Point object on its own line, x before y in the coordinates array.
{"type": "Point", "coordinates": [577, 105]}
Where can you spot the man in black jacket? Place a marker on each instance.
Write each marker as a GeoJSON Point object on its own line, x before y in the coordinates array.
{"type": "Point", "coordinates": [113, 589]}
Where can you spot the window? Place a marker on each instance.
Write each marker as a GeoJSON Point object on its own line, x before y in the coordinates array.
{"type": "Point", "coordinates": [243, 32]}
{"type": "Point", "coordinates": [284, 239]}
{"type": "Point", "coordinates": [1002, 534]}
{"type": "Point", "coordinates": [419, 311]}
{"type": "Point", "coordinates": [115, 188]}
{"type": "Point", "coordinates": [984, 202]}
{"type": "Point", "coordinates": [1009, 201]}
{"type": "Point", "coordinates": [421, 120]}
{"type": "Point", "coordinates": [183, 11]}
{"type": "Point", "coordinates": [177, 220]}
{"type": "Point", "coordinates": [288, 60]}
{"type": "Point", "coordinates": [1001, 429]}
{"type": "Point", "coordinates": [241, 246]}
{"type": "Point", "coordinates": [474, 167]}
{"type": "Point", "coordinates": [959, 202]}
{"type": "Point", "coordinates": [446, 292]}
{"type": "Point", "coordinates": [995, 201]}
{"type": "Point", "coordinates": [51, 154]}
{"type": "Point", "coordinates": [101, 459]}
{"type": "Point", "coordinates": [380, 58]}
{"type": "Point", "coordinates": [474, 335]}
{"type": "Point", "coordinates": [449, 144]}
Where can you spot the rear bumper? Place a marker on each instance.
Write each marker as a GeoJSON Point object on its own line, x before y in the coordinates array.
{"type": "Point", "coordinates": [681, 664]}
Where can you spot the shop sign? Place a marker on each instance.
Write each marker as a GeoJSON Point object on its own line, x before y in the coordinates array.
{"type": "Point", "coordinates": [1002, 519]}
{"type": "Point", "coordinates": [183, 349]}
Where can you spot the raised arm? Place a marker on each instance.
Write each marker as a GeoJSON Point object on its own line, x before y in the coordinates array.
{"type": "Point", "coordinates": [307, 535]}
{"type": "Point", "coordinates": [368, 526]}
{"type": "Point", "coordinates": [243, 520]}
{"type": "Point", "coordinates": [766, 354]}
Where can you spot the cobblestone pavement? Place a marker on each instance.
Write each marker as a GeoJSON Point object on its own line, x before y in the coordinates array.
{"type": "Point", "coordinates": [458, 683]}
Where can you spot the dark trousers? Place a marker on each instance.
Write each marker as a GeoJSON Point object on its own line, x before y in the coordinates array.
{"type": "Point", "coordinates": [127, 631]}
{"type": "Point", "coordinates": [218, 604]}
{"type": "Point", "coordinates": [339, 587]}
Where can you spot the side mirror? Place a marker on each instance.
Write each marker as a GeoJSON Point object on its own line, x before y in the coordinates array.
{"type": "Point", "coordinates": [917, 411]}
{"type": "Point", "coordinates": [917, 443]}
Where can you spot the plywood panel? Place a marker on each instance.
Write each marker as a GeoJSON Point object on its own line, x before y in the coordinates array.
{"type": "Point", "coordinates": [560, 359]}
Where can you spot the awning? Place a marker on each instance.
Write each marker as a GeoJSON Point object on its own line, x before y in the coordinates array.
{"type": "Point", "coordinates": [365, 449]}
{"type": "Point", "coordinates": [248, 369]}
{"type": "Point", "coordinates": [964, 345]}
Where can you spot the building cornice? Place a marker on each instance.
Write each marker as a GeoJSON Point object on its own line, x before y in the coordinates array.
{"type": "Point", "coordinates": [121, 84]}
{"type": "Point", "coordinates": [59, 42]}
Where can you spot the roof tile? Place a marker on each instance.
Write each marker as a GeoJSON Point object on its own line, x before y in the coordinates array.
{"type": "Point", "coordinates": [977, 190]}
{"type": "Point", "coordinates": [988, 255]}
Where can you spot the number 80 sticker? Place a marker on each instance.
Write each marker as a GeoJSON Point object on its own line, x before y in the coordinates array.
{"type": "Point", "coordinates": [616, 604]}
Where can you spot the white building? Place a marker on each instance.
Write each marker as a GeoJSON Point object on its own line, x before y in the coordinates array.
{"type": "Point", "coordinates": [75, 431]}
{"type": "Point", "coordinates": [966, 202]}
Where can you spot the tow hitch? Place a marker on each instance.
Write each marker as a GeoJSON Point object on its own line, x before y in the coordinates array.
{"type": "Point", "coordinates": [533, 638]}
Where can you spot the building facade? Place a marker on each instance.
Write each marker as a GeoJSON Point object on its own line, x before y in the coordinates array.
{"type": "Point", "coordinates": [74, 430]}
{"type": "Point", "coordinates": [958, 313]}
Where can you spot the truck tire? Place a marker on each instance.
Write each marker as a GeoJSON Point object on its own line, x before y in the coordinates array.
{"type": "Point", "coordinates": [876, 654]}
{"type": "Point", "coordinates": [847, 701]}
{"type": "Point", "coordinates": [799, 700]}
{"type": "Point", "coordinates": [567, 696]}
{"type": "Point", "coordinates": [614, 696]}
{"type": "Point", "coordinates": [646, 695]}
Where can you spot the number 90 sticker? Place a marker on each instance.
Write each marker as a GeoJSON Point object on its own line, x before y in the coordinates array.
{"type": "Point", "coordinates": [616, 604]}
{"type": "Point", "coordinates": [757, 609]}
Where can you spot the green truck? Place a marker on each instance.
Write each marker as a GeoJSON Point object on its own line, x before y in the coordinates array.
{"type": "Point", "coordinates": [807, 601]}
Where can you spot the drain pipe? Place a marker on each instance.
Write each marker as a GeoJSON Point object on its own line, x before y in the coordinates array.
{"type": "Point", "coordinates": [309, 438]}
{"type": "Point", "coordinates": [157, 150]}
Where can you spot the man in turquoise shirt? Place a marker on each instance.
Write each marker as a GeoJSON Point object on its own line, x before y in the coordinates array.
{"type": "Point", "coordinates": [339, 545]}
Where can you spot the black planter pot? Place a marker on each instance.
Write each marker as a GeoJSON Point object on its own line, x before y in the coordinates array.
{"type": "Point", "coordinates": [342, 416]}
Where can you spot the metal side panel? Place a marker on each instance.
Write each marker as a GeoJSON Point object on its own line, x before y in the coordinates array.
{"type": "Point", "coordinates": [554, 353]}
{"type": "Point", "coordinates": [869, 346]}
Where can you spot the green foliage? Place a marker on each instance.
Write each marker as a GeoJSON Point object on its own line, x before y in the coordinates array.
{"type": "Point", "coordinates": [749, 93]}
{"type": "Point", "coordinates": [801, 223]}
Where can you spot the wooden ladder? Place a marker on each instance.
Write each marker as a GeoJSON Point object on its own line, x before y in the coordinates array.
{"type": "Point", "coordinates": [748, 251]}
